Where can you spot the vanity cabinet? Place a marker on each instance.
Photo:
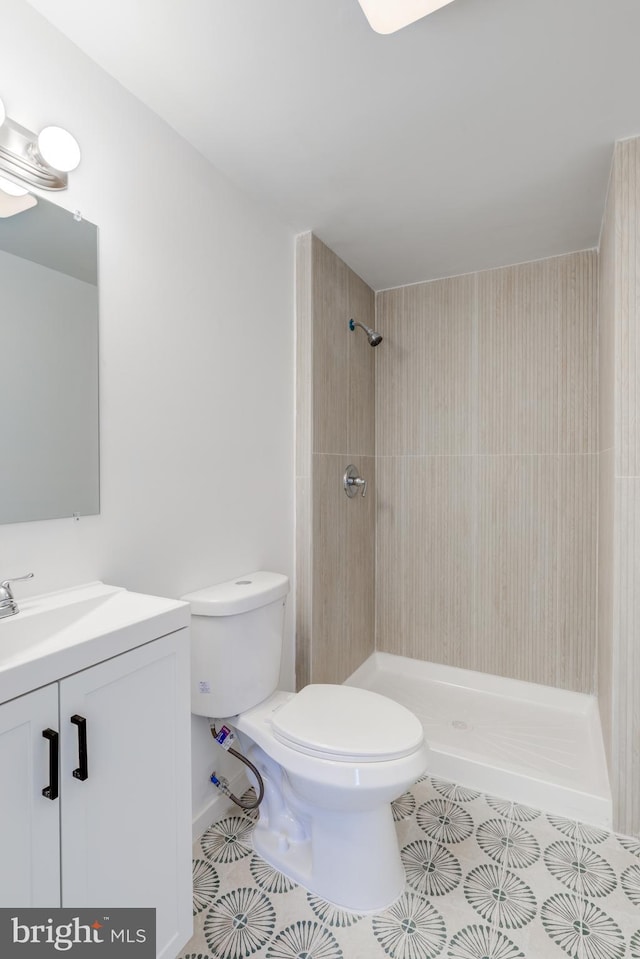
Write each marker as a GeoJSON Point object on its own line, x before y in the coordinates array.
{"type": "Point", "coordinates": [119, 831]}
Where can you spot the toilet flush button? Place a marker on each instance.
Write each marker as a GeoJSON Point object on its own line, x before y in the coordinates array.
{"type": "Point", "coordinates": [460, 724]}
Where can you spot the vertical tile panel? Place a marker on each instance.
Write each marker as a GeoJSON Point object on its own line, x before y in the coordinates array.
{"type": "Point", "coordinates": [537, 370]}
{"type": "Point", "coordinates": [625, 758]}
{"type": "Point", "coordinates": [343, 570]}
{"type": "Point", "coordinates": [626, 661]}
{"type": "Point", "coordinates": [606, 322]}
{"type": "Point", "coordinates": [389, 307]}
{"type": "Point", "coordinates": [424, 373]}
{"type": "Point", "coordinates": [517, 346]}
{"type": "Point", "coordinates": [424, 553]}
{"type": "Point", "coordinates": [625, 282]}
{"type": "Point", "coordinates": [392, 621]}
{"type": "Point", "coordinates": [576, 367]}
{"type": "Point", "coordinates": [330, 350]}
{"type": "Point", "coordinates": [605, 595]}
{"type": "Point", "coordinates": [360, 413]}
{"type": "Point", "coordinates": [576, 570]}
{"type": "Point", "coordinates": [516, 560]}
{"type": "Point", "coordinates": [359, 543]}
{"type": "Point", "coordinates": [337, 627]}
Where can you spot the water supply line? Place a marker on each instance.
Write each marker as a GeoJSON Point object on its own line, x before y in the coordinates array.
{"type": "Point", "coordinates": [222, 784]}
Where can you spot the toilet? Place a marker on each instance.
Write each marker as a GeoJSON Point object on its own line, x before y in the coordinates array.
{"type": "Point", "coordinates": [332, 757]}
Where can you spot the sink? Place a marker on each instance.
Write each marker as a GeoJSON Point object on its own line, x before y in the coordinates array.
{"type": "Point", "coordinates": [59, 633]}
{"type": "Point", "coordinates": [33, 626]}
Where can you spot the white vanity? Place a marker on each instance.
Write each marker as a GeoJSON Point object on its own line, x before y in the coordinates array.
{"type": "Point", "coordinates": [110, 824]}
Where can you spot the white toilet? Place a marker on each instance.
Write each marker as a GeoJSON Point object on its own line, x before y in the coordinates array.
{"type": "Point", "coordinates": [332, 757]}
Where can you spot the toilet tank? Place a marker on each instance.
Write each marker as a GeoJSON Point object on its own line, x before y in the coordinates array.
{"type": "Point", "coordinates": [237, 629]}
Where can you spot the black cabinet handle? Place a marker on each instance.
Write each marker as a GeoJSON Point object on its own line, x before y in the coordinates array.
{"type": "Point", "coordinates": [51, 791]}
{"type": "Point", "coordinates": [81, 772]}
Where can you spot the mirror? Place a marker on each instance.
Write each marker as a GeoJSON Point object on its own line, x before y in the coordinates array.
{"type": "Point", "coordinates": [49, 444]}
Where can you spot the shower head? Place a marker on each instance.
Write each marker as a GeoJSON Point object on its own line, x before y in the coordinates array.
{"type": "Point", "coordinates": [374, 338]}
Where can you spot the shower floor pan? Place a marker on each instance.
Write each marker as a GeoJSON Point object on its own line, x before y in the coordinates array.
{"type": "Point", "coordinates": [531, 744]}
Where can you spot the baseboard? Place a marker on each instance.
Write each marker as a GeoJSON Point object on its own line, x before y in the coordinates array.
{"type": "Point", "coordinates": [219, 806]}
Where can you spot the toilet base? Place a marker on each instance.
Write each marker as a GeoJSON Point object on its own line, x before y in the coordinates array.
{"type": "Point", "coordinates": [351, 860]}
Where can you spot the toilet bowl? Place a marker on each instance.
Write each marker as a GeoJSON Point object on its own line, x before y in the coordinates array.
{"type": "Point", "coordinates": [332, 757]}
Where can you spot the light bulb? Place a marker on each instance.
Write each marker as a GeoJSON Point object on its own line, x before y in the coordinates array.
{"type": "Point", "coordinates": [8, 186]}
{"type": "Point", "coordinates": [59, 149]}
{"type": "Point", "coordinates": [387, 16]}
{"type": "Point", "coordinates": [3, 113]}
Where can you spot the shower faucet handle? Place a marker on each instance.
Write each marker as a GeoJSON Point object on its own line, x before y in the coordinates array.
{"type": "Point", "coordinates": [352, 482]}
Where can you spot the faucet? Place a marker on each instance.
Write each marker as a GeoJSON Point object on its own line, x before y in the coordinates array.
{"type": "Point", "coordinates": [8, 605]}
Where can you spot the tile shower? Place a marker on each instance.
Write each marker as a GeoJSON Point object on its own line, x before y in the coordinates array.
{"type": "Point", "coordinates": [496, 425]}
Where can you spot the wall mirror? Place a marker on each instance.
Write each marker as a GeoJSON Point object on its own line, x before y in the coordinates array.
{"type": "Point", "coordinates": [49, 443]}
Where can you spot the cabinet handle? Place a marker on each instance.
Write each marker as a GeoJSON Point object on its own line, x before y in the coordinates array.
{"type": "Point", "coordinates": [81, 772]}
{"type": "Point", "coordinates": [51, 791]}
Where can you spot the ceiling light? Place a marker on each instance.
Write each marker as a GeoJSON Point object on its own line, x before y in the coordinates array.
{"type": "Point", "coordinates": [59, 149]}
{"type": "Point", "coordinates": [12, 189]}
{"type": "Point", "coordinates": [39, 161]}
{"type": "Point", "coordinates": [387, 16]}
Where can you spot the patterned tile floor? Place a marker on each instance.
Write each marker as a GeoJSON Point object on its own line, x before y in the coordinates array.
{"type": "Point", "coordinates": [486, 879]}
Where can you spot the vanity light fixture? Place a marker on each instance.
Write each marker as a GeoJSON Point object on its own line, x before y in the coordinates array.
{"type": "Point", "coordinates": [387, 16]}
{"type": "Point", "coordinates": [42, 160]}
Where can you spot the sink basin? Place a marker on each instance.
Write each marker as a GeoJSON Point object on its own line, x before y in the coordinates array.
{"type": "Point", "coordinates": [59, 633]}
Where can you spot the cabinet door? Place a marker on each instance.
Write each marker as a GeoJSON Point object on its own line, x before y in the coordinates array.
{"type": "Point", "coordinates": [29, 822]}
{"type": "Point", "coordinates": [126, 828]}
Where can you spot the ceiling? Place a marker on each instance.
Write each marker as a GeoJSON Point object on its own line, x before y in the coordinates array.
{"type": "Point", "coordinates": [479, 136]}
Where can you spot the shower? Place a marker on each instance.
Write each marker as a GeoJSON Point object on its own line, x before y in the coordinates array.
{"type": "Point", "coordinates": [373, 337]}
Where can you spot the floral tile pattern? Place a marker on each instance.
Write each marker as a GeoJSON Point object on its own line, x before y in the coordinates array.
{"type": "Point", "coordinates": [486, 878]}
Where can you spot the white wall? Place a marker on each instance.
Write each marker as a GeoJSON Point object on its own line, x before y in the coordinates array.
{"type": "Point", "coordinates": [196, 349]}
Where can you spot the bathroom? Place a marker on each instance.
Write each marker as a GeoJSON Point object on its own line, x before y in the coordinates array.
{"type": "Point", "coordinates": [203, 474]}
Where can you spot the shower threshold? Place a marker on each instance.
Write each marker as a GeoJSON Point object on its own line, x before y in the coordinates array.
{"type": "Point", "coordinates": [531, 744]}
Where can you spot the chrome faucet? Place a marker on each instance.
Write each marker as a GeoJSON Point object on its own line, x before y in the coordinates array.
{"type": "Point", "coordinates": [8, 605]}
{"type": "Point", "coordinates": [352, 482]}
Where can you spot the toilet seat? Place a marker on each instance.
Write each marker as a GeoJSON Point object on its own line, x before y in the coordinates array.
{"type": "Point", "coordinates": [346, 724]}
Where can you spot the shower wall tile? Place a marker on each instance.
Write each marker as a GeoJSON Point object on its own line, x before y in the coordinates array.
{"type": "Point", "coordinates": [627, 313]}
{"type": "Point", "coordinates": [360, 414]}
{"type": "Point", "coordinates": [606, 593]}
{"type": "Point", "coordinates": [335, 426]}
{"type": "Point", "coordinates": [536, 568]}
{"type": "Point", "coordinates": [537, 366]}
{"type": "Point", "coordinates": [343, 362]}
{"type": "Point", "coordinates": [487, 421]}
{"type": "Point", "coordinates": [425, 368]}
{"type": "Point", "coordinates": [619, 598]}
{"type": "Point", "coordinates": [424, 535]}
{"type": "Point", "coordinates": [625, 767]}
{"type": "Point", "coordinates": [607, 298]}
{"type": "Point", "coordinates": [343, 570]}
{"type": "Point", "coordinates": [516, 588]}
{"type": "Point", "coordinates": [489, 563]}
{"type": "Point", "coordinates": [577, 572]}
{"type": "Point", "coordinates": [330, 307]}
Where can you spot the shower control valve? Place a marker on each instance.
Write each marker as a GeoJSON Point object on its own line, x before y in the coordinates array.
{"type": "Point", "coordinates": [352, 482]}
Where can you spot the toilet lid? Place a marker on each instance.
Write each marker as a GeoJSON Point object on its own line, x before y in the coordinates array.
{"type": "Point", "coordinates": [347, 724]}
